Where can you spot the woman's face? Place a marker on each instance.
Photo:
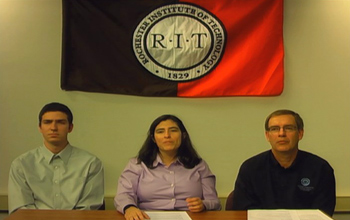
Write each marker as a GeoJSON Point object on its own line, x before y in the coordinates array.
{"type": "Point", "coordinates": [167, 136]}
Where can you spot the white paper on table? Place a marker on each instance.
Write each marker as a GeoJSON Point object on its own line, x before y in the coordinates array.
{"type": "Point", "coordinates": [168, 215]}
{"type": "Point", "coordinates": [287, 214]}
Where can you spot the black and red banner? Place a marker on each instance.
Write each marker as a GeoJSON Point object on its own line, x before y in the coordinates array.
{"type": "Point", "coordinates": [191, 48]}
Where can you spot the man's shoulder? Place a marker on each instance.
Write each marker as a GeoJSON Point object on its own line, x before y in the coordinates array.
{"type": "Point", "coordinates": [259, 157]}
{"type": "Point", "coordinates": [26, 159]}
{"type": "Point", "coordinates": [30, 154]}
{"type": "Point", "coordinates": [79, 152]}
{"type": "Point", "coordinates": [257, 160]}
{"type": "Point", "coordinates": [311, 158]}
{"type": "Point", "coordinates": [308, 154]}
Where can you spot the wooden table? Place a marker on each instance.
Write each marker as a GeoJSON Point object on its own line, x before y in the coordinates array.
{"type": "Point", "coordinates": [27, 214]}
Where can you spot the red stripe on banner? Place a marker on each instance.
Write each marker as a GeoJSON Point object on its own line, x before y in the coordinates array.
{"type": "Point", "coordinates": [252, 64]}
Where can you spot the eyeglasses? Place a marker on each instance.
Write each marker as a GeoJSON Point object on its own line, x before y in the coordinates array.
{"type": "Point", "coordinates": [287, 128]}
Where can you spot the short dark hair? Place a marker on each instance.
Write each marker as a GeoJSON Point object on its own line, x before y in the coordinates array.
{"type": "Point", "coordinates": [56, 107]}
{"type": "Point", "coordinates": [298, 119]}
{"type": "Point", "coordinates": [186, 153]}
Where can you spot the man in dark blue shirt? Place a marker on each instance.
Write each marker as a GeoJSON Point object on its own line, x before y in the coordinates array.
{"type": "Point", "coordinates": [285, 177]}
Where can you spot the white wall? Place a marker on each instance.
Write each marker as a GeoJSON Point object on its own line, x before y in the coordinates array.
{"type": "Point", "coordinates": [225, 131]}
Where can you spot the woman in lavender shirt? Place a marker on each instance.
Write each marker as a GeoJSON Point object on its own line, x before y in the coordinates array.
{"type": "Point", "coordinates": [167, 174]}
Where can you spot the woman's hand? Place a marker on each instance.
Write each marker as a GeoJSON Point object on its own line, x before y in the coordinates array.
{"type": "Point", "coordinates": [195, 204]}
{"type": "Point", "coordinates": [133, 213]}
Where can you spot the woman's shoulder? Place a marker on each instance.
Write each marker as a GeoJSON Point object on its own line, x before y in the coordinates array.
{"type": "Point", "coordinates": [202, 164]}
{"type": "Point", "coordinates": [135, 166]}
{"type": "Point", "coordinates": [133, 160]}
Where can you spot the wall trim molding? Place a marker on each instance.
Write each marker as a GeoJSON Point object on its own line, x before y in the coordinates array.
{"type": "Point", "coordinates": [343, 203]}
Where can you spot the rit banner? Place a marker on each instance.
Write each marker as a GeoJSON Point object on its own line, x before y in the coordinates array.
{"type": "Point", "coordinates": [167, 48]}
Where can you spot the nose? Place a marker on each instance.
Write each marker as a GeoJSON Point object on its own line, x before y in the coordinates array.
{"type": "Point", "coordinates": [167, 134]}
{"type": "Point", "coordinates": [53, 126]}
{"type": "Point", "coordinates": [282, 132]}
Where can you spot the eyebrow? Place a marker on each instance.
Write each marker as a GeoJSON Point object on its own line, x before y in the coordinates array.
{"type": "Point", "coordinates": [283, 125]}
{"type": "Point", "coordinates": [57, 120]}
{"type": "Point", "coordinates": [174, 127]}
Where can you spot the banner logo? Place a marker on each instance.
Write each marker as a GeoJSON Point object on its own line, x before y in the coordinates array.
{"type": "Point", "coordinates": [179, 42]}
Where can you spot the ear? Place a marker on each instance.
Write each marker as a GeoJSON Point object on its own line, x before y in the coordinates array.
{"type": "Point", "coordinates": [301, 134]}
{"type": "Point", "coordinates": [267, 136]}
{"type": "Point", "coordinates": [70, 128]}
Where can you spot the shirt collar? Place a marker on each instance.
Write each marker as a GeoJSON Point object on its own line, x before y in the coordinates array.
{"type": "Point", "coordinates": [158, 161]}
{"type": "Point", "coordinates": [64, 154]}
{"type": "Point", "coordinates": [274, 162]}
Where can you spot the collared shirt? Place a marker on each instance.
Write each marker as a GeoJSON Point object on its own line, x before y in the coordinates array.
{"type": "Point", "coordinates": [165, 187]}
{"type": "Point", "coordinates": [309, 183]}
{"type": "Point", "coordinates": [71, 179]}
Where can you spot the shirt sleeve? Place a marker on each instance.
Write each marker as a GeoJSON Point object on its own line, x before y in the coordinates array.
{"type": "Point", "coordinates": [127, 186]}
{"type": "Point", "coordinates": [208, 179]}
{"type": "Point", "coordinates": [92, 196]}
{"type": "Point", "coordinates": [243, 196]}
{"type": "Point", "coordinates": [325, 198]}
{"type": "Point", "coordinates": [20, 194]}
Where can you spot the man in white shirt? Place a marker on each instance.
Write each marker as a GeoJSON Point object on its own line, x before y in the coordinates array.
{"type": "Point", "coordinates": [56, 175]}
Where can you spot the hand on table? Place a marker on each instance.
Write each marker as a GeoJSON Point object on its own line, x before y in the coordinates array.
{"type": "Point", "coordinates": [195, 204]}
{"type": "Point", "coordinates": [133, 213]}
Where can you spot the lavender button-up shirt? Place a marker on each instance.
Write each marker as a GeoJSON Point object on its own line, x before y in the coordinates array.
{"type": "Point", "coordinates": [165, 188]}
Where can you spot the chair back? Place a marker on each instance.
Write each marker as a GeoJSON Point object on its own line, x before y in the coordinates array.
{"type": "Point", "coordinates": [229, 202]}
{"type": "Point", "coordinates": [103, 206]}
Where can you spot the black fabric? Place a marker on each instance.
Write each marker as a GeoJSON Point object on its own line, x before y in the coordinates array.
{"type": "Point", "coordinates": [103, 206]}
{"type": "Point", "coordinates": [309, 183]}
{"type": "Point", "coordinates": [97, 53]}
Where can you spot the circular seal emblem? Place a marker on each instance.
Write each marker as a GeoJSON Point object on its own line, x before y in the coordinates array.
{"type": "Point", "coordinates": [179, 42]}
{"type": "Point", "coordinates": [305, 181]}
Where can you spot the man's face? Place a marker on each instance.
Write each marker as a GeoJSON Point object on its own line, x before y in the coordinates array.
{"type": "Point", "coordinates": [284, 135]}
{"type": "Point", "coordinates": [55, 128]}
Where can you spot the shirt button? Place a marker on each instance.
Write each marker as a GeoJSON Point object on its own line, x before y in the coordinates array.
{"type": "Point", "coordinates": [171, 172]}
{"type": "Point", "coordinates": [56, 167]}
{"type": "Point", "coordinates": [57, 194]}
{"type": "Point", "coordinates": [56, 181]}
{"type": "Point", "coordinates": [172, 185]}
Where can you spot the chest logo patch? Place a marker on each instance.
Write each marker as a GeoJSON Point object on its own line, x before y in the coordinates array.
{"type": "Point", "coordinates": [305, 185]}
{"type": "Point", "coordinates": [305, 181]}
